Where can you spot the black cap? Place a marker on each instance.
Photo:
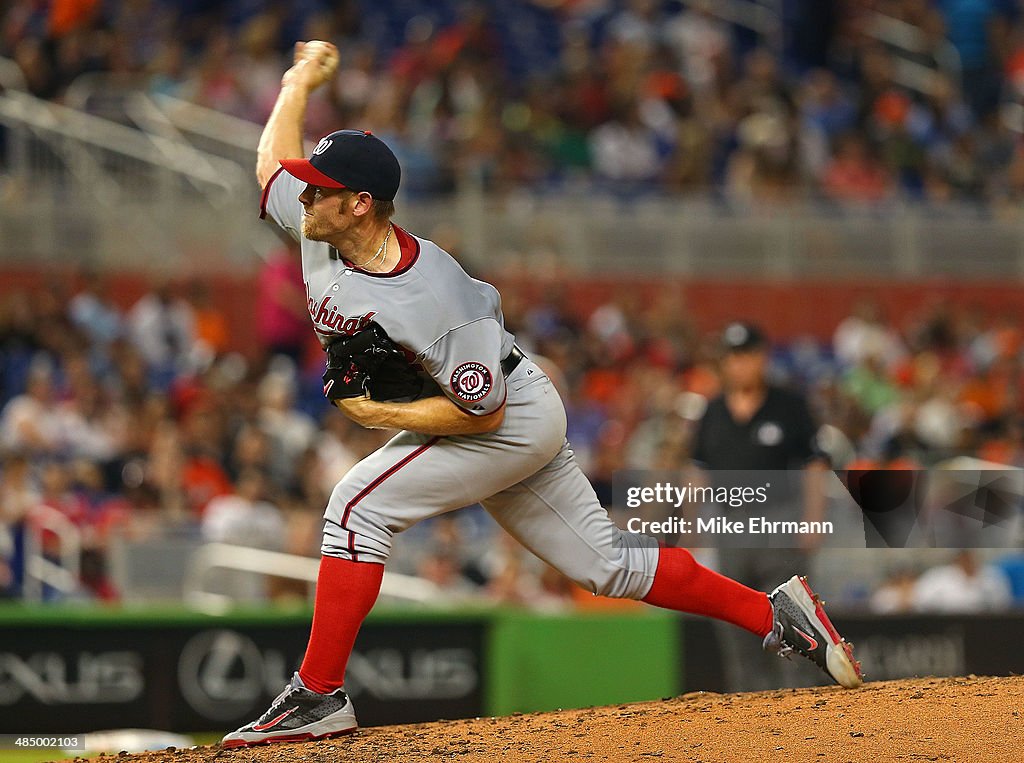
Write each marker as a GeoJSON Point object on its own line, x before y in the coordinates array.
{"type": "Point", "coordinates": [742, 337]}
{"type": "Point", "coordinates": [354, 159]}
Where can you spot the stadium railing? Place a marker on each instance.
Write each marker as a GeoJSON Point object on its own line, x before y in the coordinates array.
{"type": "Point", "coordinates": [167, 191]}
{"type": "Point", "coordinates": [909, 43]}
{"type": "Point", "coordinates": [53, 547]}
{"type": "Point", "coordinates": [159, 114]}
{"type": "Point", "coordinates": [120, 190]}
{"type": "Point", "coordinates": [222, 557]}
{"type": "Point", "coordinates": [11, 77]}
{"type": "Point", "coordinates": [763, 17]}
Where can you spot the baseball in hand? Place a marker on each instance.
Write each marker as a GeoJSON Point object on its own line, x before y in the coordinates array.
{"type": "Point", "coordinates": [315, 63]}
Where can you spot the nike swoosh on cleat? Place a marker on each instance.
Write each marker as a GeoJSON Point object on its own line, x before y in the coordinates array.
{"type": "Point", "coordinates": [813, 642]}
{"type": "Point", "coordinates": [271, 723]}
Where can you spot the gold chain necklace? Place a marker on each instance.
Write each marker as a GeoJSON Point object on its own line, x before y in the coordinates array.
{"type": "Point", "coordinates": [381, 250]}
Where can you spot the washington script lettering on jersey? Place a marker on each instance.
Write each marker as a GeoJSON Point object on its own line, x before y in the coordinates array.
{"type": "Point", "coordinates": [326, 316]}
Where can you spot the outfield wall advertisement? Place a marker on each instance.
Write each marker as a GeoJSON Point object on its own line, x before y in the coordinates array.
{"type": "Point", "coordinates": [190, 677]}
{"type": "Point", "coordinates": [76, 672]}
{"type": "Point", "coordinates": [187, 673]}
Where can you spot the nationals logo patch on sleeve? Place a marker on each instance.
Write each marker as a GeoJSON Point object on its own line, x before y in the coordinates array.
{"type": "Point", "coordinates": [471, 381]}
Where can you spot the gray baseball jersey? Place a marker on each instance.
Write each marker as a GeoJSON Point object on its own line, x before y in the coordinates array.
{"type": "Point", "coordinates": [449, 323]}
{"type": "Point", "coordinates": [524, 473]}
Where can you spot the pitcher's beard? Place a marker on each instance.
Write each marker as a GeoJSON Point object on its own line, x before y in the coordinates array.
{"type": "Point", "coordinates": [311, 230]}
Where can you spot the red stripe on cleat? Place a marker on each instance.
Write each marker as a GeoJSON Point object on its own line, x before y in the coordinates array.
{"type": "Point", "coordinates": [273, 722]}
{"type": "Point", "coordinates": [820, 612]}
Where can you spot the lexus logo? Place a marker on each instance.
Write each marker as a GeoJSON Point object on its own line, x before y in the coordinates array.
{"type": "Point", "coordinates": [222, 674]}
{"type": "Point", "coordinates": [225, 675]}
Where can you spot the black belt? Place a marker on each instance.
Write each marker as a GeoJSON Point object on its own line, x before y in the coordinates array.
{"type": "Point", "coordinates": [511, 361]}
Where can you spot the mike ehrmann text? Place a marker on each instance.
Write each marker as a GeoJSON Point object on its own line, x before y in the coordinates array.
{"type": "Point", "coordinates": [723, 526]}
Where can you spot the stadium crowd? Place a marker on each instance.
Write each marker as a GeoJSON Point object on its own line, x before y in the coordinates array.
{"type": "Point", "coordinates": [635, 96]}
{"type": "Point", "coordinates": [130, 419]}
{"type": "Point", "coordinates": [134, 421]}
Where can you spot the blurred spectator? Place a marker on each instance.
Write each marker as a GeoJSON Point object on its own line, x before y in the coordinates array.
{"type": "Point", "coordinates": [825, 108]}
{"type": "Point", "coordinates": [58, 492]}
{"type": "Point", "coordinates": [18, 343]}
{"type": "Point", "coordinates": [195, 469]}
{"type": "Point", "coordinates": [250, 450]}
{"type": "Point", "coordinates": [870, 385]}
{"type": "Point", "coordinates": [29, 422]}
{"type": "Point", "coordinates": [964, 586]}
{"type": "Point", "coordinates": [19, 491]}
{"type": "Point", "coordinates": [7, 563]}
{"type": "Point", "coordinates": [245, 517]}
{"type": "Point", "coordinates": [854, 174]}
{"type": "Point", "coordinates": [637, 24]}
{"type": "Point", "coordinates": [865, 334]}
{"type": "Point", "coordinates": [978, 30]}
{"type": "Point", "coordinates": [162, 328]}
{"type": "Point", "coordinates": [625, 150]}
{"type": "Point", "coordinates": [19, 494]}
{"type": "Point", "coordinates": [889, 124]}
{"type": "Point", "coordinates": [1005, 444]}
{"type": "Point", "coordinates": [340, 445]}
{"type": "Point", "coordinates": [92, 426]}
{"type": "Point", "coordinates": [1013, 567]}
{"type": "Point", "coordinates": [290, 431]}
{"type": "Point", "coordinates": [444, 561]}
{"type": "Point", "coordinates": [91, 311]}
{"type": "Point", "coordinates": [282, 318]}
{"type": "Point", "coordinates": [939, 423]}
{"type": "Point", "coordinates": [764, 169]}
{"type": "Point", "coordinates": [212, 334]}
{"type": "Point", "coordinates": [896, 593]}
{"type": "Point", "coordinates": [701, 43]}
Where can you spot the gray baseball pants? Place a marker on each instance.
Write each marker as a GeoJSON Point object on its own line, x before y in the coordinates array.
{"type": "Point", "coordinates": [524, 474]}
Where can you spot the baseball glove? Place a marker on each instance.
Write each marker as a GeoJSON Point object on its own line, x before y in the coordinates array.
{"type": "Point", "coordinates": [369, 363]}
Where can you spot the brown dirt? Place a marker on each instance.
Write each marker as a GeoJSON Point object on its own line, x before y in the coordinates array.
{"type": "Point", "coordinates": [969, 720]}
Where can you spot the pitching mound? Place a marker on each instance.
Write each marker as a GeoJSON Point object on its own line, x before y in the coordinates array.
{"type": "Point", "coordinates": [969, 719]}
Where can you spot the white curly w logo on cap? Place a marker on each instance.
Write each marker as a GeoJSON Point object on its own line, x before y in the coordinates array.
{"type": "Point", "coordinates": [322, 146]}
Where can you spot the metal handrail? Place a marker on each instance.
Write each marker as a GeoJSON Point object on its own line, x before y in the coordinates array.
{"type": "Point", "coordinates": [213, 125]}
{"type": "Point", "coordinates": [225, 556]}
{"type": "Point", "coordinates": [44, 117]}
{"type": "Point", "coordinates": [11, 76]}
{"type": "Point", "coordinates": [908, 38]}
{"type": "Point", "coordinates": [901, 34]}
{"type": "Point", "coordinates": [749, 14]}
{"type": "Point", "coordinates": [161, 132]}
{"type": "Point", "coordinates": [39, 569]}
{"type": "Point", "coordinates": [85, 86]}
{"type": "Point", "coordinates": [107, 173]}
{"type": "Point", "coordinates": [129, 101]}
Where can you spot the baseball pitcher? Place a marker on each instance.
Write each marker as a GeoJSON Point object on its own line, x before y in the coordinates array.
{"type": "Point", "coordinates": [414, 344]}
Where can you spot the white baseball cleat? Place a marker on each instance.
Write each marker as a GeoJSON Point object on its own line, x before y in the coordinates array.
{"type": "Point", "coordinates": [298, 715]}
{"type": "Point", "coordinates": [802, 626]}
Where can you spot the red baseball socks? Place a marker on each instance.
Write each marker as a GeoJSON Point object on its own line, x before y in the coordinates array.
{"type": "Point", "coordinates": [682, 584]}
{"type": "Point", "coordinates": [345, 593]}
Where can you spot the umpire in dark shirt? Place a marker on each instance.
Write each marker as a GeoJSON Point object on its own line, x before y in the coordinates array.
{"type": "Point", "coordinates": [755, 426]}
